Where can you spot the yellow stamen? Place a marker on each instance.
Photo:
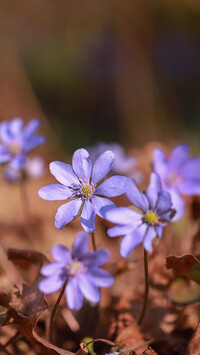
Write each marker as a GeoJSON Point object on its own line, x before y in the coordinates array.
{"type": "Point", "coordinates": [86, 190]}
{"type": "Point", "coordinates": [150, 217]}
{"type": "Point", "coordinates": [75, 268]}
{"type": "Point", "coordinates": [173, 179]}
{"type": "Point", "coordinates": [15, 148]}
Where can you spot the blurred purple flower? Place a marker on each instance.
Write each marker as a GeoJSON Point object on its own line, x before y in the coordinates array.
{"type": "Point", "coordinates": [33, 168]}
{"type": "Point", "coordinates": [12, 175]}
{"type": "Point", "coordinates": [85, 186]}
{"type": "Point", "coordinates": [155, 211]}
{"type": "Point", "coordinates": [16, 141]}
{"type": "Point", "coordinates": [123, 164]}
{"type": "Point", "coordinates": [180, 175]}
{"type": "Point", "coordinates": [81, 271]}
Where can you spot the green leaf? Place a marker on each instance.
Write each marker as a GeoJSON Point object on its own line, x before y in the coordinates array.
{"type": "Point", "coordinates": [183, 292]}
{"type": "Point", "coordinates": [194, 273]}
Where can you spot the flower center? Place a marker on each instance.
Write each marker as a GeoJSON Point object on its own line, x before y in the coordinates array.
{"type": "Point", "coordinates": [15, 148]}
{"type": "Point", "coordinates": [75, 268]}
{"type": "Point", "coordinates": [86, 189]}
{"type": "Point", "coordinates": [173, 179]}
{"type": "Point", "coordinates": [150, 217]}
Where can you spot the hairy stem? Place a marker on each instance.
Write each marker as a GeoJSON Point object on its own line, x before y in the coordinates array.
{"type": "Point", "coordinates": [146, 288]}
{"type": "Point", "coordinates": [54, 312]}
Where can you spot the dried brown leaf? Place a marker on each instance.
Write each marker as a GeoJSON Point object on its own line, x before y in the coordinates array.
{"type": "Point", "coordinates": [194, 344]}
{"type": "Point", "coordinates": [149, 351]}
{"type": "Point", "coordinates": [23, 310]}
{"type": "Point", "coordinates": [9, 268]}
{"type": "Point", "coordinates": [33, 303]}
{"type": "Point", "coordinates": [4, 299]}
{"type": "Point", "coordinates": [83, 350]}
{"type": "Point", "coordinates": [12, 317]}
{"type": "Point", "coordinates": [182, 265]}
{"type": "Point", "coordinates": [131, 337]}
{"type": "Point", "coordinates": [25, 258]}
{"type": "Point", "coordinates": [23, 306]}
{"type": "Point", "coordinates": [45, 347]}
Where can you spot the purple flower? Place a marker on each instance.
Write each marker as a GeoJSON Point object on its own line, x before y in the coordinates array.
{"type": "Point", "coordinates": [33, 168]}
{"type": "Point", "coordinates": [154, 212]}
{"type": "Point", "coordinates": [123, 164]}
{"type": "Point", "coordinates": [85, 186]}
{"type": "Point", "coordinates": [16, 141]}
{"type": "Point", "coordinates": [80, 270]}
{"type": "Point", "coordinates": [12, 175]}
{"type": "Point", "coordinates": [180, 175]}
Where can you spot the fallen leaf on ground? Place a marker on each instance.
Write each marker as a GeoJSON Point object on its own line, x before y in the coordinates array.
{"type": "Point", "coordinates": [25, 258]}
{"type": "Point", "coordinates": [23, 310]}
{"type": "Point", "coordinates": [185, 266]}
{"type": "Point", "coordinates": [194, 344]}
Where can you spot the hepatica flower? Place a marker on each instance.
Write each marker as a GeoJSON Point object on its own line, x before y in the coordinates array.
{"type": "Point", "coordinates": [154, 212]}
{"type": "Point", "coordinates": [124, 164]}
{"type": "Point", "coordinates": [33, 168]}
{"type": "Point", "coordinates": [79, 269]}
{"type": "Point", "coordinates": [17, 140]}
{"type": "Point", "coordinates": [180, 175]}
{"type": "Point", "coordinates": [85, 187]}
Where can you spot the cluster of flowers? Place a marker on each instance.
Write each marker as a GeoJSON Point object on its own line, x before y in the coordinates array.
{"type": "Point", "coordinates": [16, 141]}
{"type": "Point", "coordinates": [87, 192]}
{"type": "Point", "coordinates": [86, 189]}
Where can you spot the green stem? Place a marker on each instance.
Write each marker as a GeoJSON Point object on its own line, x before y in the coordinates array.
{"type": "Point", "coordinates": [146, 288]}
{"type": "Point", "coordinates": [54, 312]}
{"type": "Point", "coordinates": [93, 242]}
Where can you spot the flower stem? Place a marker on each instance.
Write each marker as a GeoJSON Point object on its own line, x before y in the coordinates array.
{"type": "Point", "coordinates": [26, 211]}
{"type": "Point", "coordinates": [146, 287]}
{"type": "Point", "coordinates": [93, 242]}
{"type": "Point", "coordinates": [54, 311]}
{"type": "Point", "coordinates": [25, 201]}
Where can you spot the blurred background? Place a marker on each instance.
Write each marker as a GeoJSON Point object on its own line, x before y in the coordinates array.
{"type": "Point", "coordinates": [125, 71]}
